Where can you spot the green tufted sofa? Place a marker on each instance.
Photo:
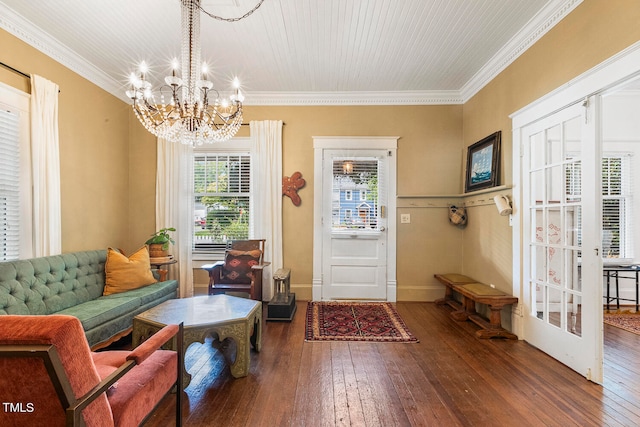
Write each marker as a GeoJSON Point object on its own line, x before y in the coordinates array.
{"type": "Point", "coordinates": [72, 284]}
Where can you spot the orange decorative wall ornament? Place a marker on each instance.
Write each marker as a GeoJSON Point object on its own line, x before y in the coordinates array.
{"type": "Point", "coordinates": [291, 185]}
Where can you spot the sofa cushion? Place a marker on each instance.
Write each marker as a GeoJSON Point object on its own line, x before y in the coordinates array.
{"type": "Point", "coordinates": [148, 293]}
{"type": "Point", "coordinates": [125, 273]}
{"type": "Point", "coordinates": [99, 311]}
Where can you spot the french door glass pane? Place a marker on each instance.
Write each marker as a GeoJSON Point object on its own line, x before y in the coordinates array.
{"type": "Point", "coordinates": [555, 200]}
{"type": "Point", "coordinates": [574, 321]}
{"type": "Point", "coordinates": [537, 188]}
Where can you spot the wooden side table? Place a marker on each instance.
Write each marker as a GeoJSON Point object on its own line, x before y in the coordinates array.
{"type": "Point", "coordinates": [162, 272]}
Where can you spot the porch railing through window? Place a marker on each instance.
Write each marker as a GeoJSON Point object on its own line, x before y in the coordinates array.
{"type": "Point", "coordinates": [222, 190]}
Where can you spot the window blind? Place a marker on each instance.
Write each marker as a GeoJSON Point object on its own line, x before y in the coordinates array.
{"type": "Point", "coordinates": [617, 203]}
{"type": "Point", "coordinates": [616, 207]}
{"type": "Point", "coordinates": [222, 190]}
{"type": "Point", "coordinates": [9, 186]}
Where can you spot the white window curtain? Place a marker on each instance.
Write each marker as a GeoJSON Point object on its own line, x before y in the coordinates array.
{"type": "Point", "coordinates": [174, 205]}
{"type": "Point", "coordinates": [45, 161]}
{"type": "Point", "coordinates": [266, 160]}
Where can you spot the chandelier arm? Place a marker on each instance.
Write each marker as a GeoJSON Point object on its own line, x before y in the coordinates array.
{"type": "Point", "coordinates": [220, 18]}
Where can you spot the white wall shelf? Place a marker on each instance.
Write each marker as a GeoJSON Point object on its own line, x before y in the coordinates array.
{"type": "Point", "coordinates": [446, 200]}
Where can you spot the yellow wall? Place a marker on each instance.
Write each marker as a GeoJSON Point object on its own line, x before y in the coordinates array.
{"type": "Point", "coordinates": [108, 159]}
{"type": "Point", "coordinates": [94, 144]}
{"type": "Point", "coordinates": [593, 32]}
{"type": "Point", "coordinates": [428, 162]}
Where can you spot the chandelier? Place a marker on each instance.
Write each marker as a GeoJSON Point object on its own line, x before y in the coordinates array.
{"type": "Point", "coordinates": [187, 108]}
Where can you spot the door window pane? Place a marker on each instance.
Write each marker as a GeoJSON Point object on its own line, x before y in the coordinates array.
{"type": "Point", "coordinates": [359, 177]}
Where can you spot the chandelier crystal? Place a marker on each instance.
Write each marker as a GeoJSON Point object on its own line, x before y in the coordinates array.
{"type": "Point", "coordinates": [187, 109]}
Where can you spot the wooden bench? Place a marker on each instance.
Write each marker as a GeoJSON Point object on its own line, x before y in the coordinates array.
{"type": "Point", "coordinates": [473, 292]}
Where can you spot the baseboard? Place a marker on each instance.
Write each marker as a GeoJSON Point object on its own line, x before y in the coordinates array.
{"type": "Point", "coordinates": [420, 293]}
{"type": "Point", "coordinates": [406, 293]}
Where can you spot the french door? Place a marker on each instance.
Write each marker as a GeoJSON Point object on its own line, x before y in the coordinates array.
{"type": "Point", "coordinates": [560, 165]}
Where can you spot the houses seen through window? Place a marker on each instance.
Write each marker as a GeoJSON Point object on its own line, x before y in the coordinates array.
{"type": "Point", "coordinates": [361, 179]}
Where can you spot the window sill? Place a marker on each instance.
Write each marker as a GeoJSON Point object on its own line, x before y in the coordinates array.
{"type": "Point", "coordinates": [207, 256]}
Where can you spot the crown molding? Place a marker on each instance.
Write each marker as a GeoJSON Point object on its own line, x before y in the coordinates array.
{"type": "Point", "coordinates": [354, 98]}
{"type": "Point", "coordinates": [546, 19]}
{"type": "Point", "coordinates": [34, 36]}
{"type": "Point", "coordinates": [533, 31]}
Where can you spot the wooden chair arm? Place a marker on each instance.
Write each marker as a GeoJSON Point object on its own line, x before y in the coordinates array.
{"type": "Point", "coordinates": [210, 267]}
{"type": "Point", "coordinates": [260, 266]}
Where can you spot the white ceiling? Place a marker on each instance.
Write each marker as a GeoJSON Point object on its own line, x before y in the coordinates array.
{"type": "Point", "coordinates": [297, 52]}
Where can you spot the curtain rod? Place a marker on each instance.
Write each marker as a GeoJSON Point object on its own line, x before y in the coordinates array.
{"type": "Point", "coordinates": [15, 70]}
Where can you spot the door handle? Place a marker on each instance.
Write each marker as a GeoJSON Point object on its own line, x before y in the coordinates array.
{"type": "Point", "coordinates": [382, 229]}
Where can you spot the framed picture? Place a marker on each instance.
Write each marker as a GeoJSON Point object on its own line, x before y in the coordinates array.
{"type": "Point", "coordinates": [483, 163]}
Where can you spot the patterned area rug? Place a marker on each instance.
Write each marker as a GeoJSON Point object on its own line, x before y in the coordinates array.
{"type": "Point", "coordinates": [355, 321]}
{"type": "Point", "coordinates": [627, 321]}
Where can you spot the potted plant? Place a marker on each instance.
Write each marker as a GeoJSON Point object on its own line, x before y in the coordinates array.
{"type": "Point", "coordinates": [159, 242]}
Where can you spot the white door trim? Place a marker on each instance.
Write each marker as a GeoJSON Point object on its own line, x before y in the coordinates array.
{"type": "Point", "coordinates": [322, 143]}
{"type": "Point", "coordinates": [620, 67]}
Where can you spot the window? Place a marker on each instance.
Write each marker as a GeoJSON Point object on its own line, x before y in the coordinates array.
{"type": "Point", "coordinates": [9, 186]}
{"type": "Point", "coordinates": [616, 207]}
{"type": "Point", "coordinates": [222, 191]}
{"type": "Point", "coordinates": [15, 184]}
{"type": "Point", "coordinates": [359, 181]}
{"type": "Point", "coordinates": [616, 203]}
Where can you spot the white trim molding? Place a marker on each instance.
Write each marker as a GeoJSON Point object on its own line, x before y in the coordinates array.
{"type": "Point", "coordinates": [45, 43]}
{"type": "Point", "coordinates": [535, 29]}
{"type": "Point", "coordinates": [442, 97]}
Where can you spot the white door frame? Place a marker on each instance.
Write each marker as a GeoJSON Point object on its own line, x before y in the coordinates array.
{"type": "Point", "coordinates": [609, 73]}
{"type": "Point", "coordinates": [322, 143]}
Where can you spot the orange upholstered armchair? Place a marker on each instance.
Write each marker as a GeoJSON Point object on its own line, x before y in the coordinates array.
{"type": "Point", "coordinates": [49, 376]}
{"type": "Point", "coordinates": [241, 270]}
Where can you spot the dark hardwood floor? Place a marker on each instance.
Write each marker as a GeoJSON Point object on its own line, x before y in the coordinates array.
{"type": "Point", "coordinates": [449, 378]}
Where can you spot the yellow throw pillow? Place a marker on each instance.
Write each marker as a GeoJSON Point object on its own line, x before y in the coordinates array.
{"type": "Point", "coordinates": [123, 274]}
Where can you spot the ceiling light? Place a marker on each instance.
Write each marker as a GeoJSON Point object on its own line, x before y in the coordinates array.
{"type": "Point", "coordinates": [187, 108]}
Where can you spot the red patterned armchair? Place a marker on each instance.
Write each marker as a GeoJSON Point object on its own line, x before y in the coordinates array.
{"type": "Point", "coordinates": [241, 270]}
{"type": "Point", "coordinates": [49, 376]}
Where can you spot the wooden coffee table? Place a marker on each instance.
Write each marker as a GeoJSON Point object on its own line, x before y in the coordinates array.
{"type": "Point", "coordinates": [220, 316]}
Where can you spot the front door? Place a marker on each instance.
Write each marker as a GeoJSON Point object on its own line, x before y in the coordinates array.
{"type": "Point", "coordinates": [561, 217]}
{"type": "Point", "coordinates": [355, 225]}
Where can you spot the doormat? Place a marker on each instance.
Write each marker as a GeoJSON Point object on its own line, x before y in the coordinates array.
{"type": "Point", "coordinates": [627, 321]}
{"type": "Point", "coordinates": [355, 321]}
